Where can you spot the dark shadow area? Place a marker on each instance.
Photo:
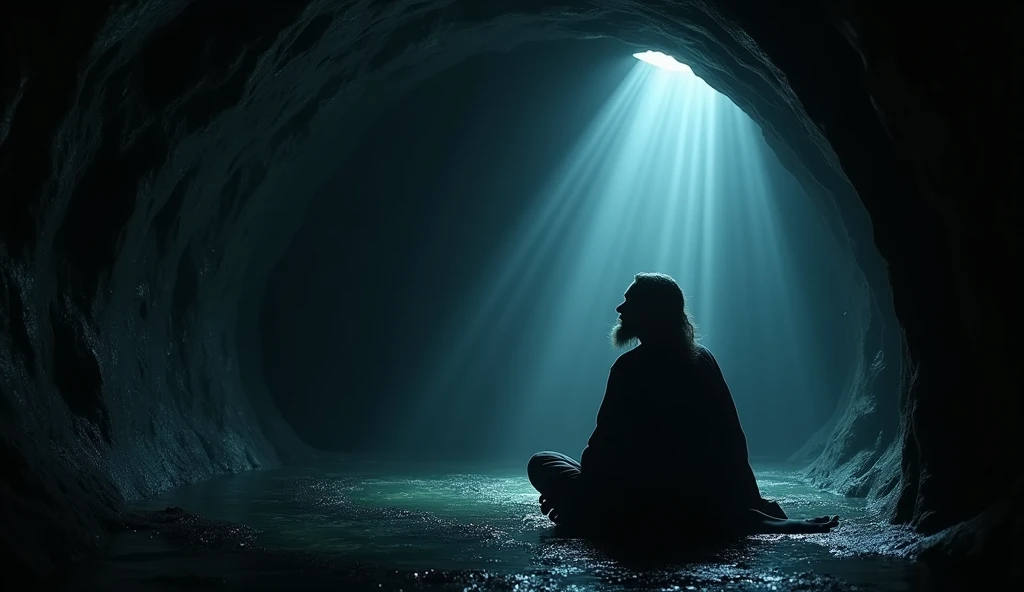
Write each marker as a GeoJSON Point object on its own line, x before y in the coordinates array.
{"type": "Point", "coordinates": [403, 230]}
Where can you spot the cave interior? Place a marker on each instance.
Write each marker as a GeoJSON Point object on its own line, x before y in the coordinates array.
{"type": "Point", "coordinates": [193, 190]}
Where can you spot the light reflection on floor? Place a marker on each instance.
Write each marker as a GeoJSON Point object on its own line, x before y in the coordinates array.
{"type": "Point", "coordinates": [485, 524]}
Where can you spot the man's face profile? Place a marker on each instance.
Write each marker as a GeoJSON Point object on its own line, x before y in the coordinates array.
{"type": "Point", "coordinates": [624, 333]}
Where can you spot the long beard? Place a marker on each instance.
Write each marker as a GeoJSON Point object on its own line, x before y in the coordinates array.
{"type": "Point", "coordinates": [623, 336]}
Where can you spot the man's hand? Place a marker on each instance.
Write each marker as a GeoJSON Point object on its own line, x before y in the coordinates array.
{"type": "Point", "coordinates": [548, 509]}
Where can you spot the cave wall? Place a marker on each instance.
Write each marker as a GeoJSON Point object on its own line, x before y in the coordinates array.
{"type": "Point", "coordinates": [930, 193]}
{"type": "Point", "coordinates": [161, 156]}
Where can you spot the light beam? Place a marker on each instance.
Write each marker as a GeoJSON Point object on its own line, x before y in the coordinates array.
{"type": "Point", "coordinates": [670, 177]}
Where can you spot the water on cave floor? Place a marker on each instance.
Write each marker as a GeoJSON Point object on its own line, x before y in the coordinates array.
{"type": "Point", "coordinates": [467, 528]}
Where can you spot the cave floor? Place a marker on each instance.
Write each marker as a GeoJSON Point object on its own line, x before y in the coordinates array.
{"type": "Point", "coordinates": [377, 525]}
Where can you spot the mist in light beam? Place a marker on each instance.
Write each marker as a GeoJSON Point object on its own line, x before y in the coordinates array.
{"type": "Point", "coordinates": [671, 177]}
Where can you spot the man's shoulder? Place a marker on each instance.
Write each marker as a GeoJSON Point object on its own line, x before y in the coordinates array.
{"type": "Point", "coordinates": [706, 359]}
{"type": "Point", "coordinates": [626, 358]}
{"type": "Point", "coordinates": [704, 354]}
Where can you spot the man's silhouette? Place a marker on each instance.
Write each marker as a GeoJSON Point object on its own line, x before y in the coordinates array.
{"type": "Point", "coordinates": [668, 451]}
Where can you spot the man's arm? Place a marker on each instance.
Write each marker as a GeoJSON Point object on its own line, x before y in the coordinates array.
{"type": "Point", "coordinates": [599, 443]}
{"type": "Point", "coordinates": [733, 440]}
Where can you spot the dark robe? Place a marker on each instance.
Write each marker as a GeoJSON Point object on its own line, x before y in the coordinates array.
{"type": "Point", "coordinates": [668, 437]}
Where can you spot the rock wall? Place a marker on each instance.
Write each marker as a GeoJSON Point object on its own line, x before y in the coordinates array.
{"type": "Point", "coordinates": [155, 160]}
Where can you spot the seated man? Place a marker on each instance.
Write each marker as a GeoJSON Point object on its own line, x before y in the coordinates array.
{"type": "Point", "coordinates": [668, 450]}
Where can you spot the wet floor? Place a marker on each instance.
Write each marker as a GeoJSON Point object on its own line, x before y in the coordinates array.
{"type": "Point", "coordinates": [378, 525]}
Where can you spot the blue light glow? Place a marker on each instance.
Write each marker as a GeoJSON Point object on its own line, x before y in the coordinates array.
{"type": "Point", "coordinates": [672, 177]}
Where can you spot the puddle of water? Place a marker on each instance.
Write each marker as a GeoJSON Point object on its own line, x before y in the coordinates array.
{"type": "Point", "coordinates": [414, 520]}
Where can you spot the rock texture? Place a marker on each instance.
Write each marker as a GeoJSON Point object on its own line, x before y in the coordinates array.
{"type": "Point", "coordinates": [156, 157]}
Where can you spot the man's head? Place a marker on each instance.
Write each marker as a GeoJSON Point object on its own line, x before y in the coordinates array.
{"type": "Point", "coordinates": [653, 309]}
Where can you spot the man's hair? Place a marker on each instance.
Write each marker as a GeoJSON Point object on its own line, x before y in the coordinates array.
{"type": "Point", "coordinates": [665, 299]}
